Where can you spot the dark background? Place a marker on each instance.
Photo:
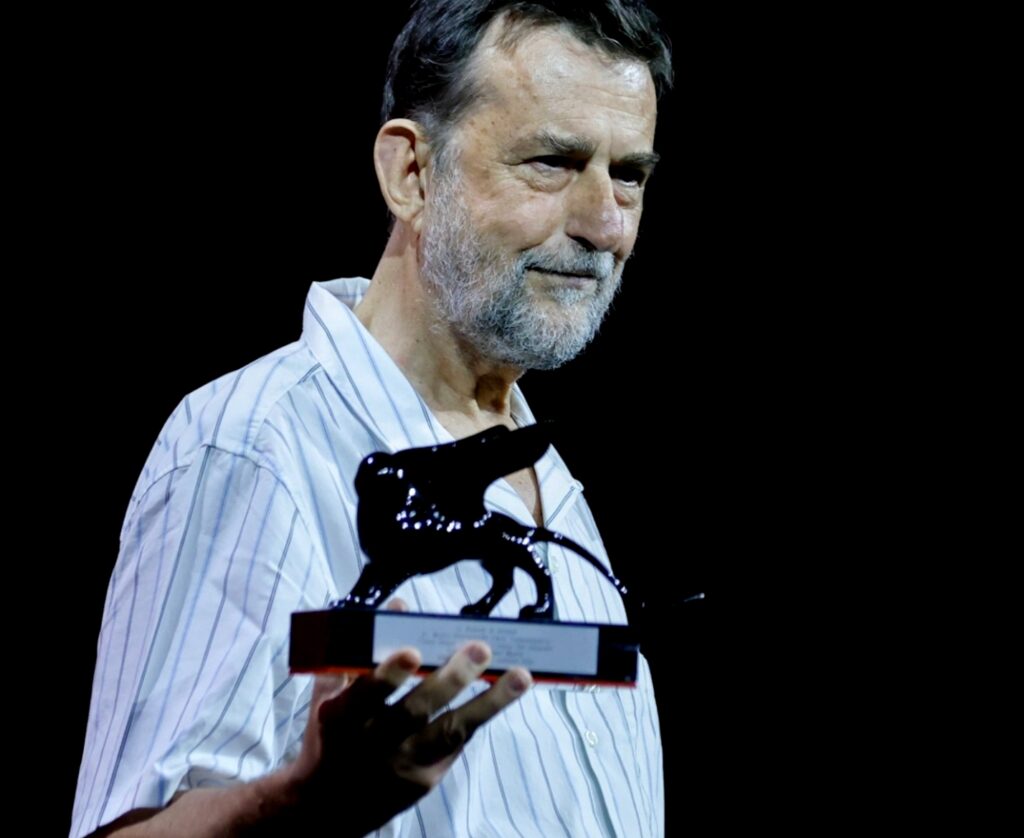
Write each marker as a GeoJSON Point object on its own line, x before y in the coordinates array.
{"type": "Point", "coordinates": [215, 168]}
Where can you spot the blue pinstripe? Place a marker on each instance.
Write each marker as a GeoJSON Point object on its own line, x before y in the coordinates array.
{"type": "Point", "coordinates": [513, 821]}
{"type": "Point", "coordinates": [245, 667]}
{"type": "Point", "coordinates": [192, 606]}
{"type": "Point", "coordinates": [597, 799]}
{"type": "Point", "coordinates": [220, 610]}
{"type": "Point", "coordinates": [544, 772]}
{"type": "Point", "coordinates": [145, 666]}
{"type": "Point", "coordinates": [629, 774]}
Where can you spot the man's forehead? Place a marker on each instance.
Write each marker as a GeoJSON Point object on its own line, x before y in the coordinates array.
{"type": "Point", "coordinates": [558, 42]}
{"type": "Point", "coordinates": [546, 81]}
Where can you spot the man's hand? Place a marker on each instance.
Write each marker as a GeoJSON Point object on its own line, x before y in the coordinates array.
{"type": "Point", "coordinates": [363, 761]}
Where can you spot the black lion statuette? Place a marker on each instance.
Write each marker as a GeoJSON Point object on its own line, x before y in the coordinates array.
{"type": "Point", "coordinates": [422, 510]}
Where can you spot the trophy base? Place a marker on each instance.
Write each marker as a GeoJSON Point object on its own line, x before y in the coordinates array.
{"type": "Point", "coordinates": [355, 640]}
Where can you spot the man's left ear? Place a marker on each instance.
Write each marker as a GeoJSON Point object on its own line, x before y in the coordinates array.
{"type": "Point", "coordinates": [401, 155]}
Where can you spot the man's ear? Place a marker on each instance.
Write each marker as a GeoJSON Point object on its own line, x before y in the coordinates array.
{"type": "Point", "coordinates": [401, 156]}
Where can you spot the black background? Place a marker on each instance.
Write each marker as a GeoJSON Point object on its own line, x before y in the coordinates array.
{"type": "Point", "coordinates": [211, 169]}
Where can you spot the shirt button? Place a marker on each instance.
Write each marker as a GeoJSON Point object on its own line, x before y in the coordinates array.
{"type": "Point", "coordinates": [591, 738]}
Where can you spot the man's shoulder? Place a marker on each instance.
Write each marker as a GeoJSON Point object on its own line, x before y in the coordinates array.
{"type": "Point", "coordinates": [232, 414]}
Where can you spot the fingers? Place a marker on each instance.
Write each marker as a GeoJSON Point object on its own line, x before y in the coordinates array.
{"type": "Point", "coordinates": [397, 604]}
{"type": "Point", "coordinates": [395, 723]}
{"type": "Point", "coordinates": [449, 732]}
{"type": "Point", "coordinates": [362, 706]}
{"type": "Point", "coordinates": [461, 670]}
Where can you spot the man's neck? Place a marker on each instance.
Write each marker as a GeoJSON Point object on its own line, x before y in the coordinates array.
{"type": "Point", "coordinates": [465, 392]}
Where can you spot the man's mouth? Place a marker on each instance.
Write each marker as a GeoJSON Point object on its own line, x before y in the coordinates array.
{"type": "Point", "coordinates": [565, 274]}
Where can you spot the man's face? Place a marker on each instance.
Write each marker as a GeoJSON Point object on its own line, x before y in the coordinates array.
{"type": "Point", "coordinates": [527, 232]}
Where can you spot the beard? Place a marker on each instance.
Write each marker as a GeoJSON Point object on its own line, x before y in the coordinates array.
{"type": "Point", "coordinates": [481, 293]}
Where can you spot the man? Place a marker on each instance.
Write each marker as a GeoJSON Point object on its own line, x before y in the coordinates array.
{"type": "Point", "coordinates": [516, 145]}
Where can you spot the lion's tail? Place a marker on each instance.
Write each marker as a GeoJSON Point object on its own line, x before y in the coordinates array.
{"type": "Point", "coordinates": [543, 534]}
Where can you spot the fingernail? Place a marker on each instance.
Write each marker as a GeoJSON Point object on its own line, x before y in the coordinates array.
{"type": "Point", "coordinates": [518, 682]}
{"type": "Point", "coordinates": [477, 654]}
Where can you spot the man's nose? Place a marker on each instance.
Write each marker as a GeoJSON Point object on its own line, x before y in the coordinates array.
{"type": "Point", "coordinates": [595, 217]}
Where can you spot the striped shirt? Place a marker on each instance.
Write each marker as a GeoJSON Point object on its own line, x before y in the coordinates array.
{"type": "Point", "coordinates": [244, 512]}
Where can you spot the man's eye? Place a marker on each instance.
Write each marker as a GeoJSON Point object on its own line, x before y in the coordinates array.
{"type": "Point", "coordinates": [552, 161]}
{"type": "Point", "coordinates": [630, 176]}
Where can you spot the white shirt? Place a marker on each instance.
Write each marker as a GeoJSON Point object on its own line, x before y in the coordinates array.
{"type": "Point", "coordinates": [245, 512]}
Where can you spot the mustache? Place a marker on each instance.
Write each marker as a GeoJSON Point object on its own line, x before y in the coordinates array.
{"type": "Point", "coordinates": [600, 266]}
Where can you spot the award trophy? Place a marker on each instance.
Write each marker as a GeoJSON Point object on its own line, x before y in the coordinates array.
{"type": "Point", "coordinates": [422, 510]}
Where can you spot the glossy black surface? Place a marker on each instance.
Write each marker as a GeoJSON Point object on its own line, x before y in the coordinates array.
{"type": "Point", "coordinates": [422, 510]}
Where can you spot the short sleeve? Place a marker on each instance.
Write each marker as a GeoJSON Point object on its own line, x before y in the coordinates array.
{"type": "Point", "coordinates": [192, 686]}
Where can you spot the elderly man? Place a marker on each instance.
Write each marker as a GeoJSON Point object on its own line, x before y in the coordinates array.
{"type": "Point", "coordinates": [516, 145]}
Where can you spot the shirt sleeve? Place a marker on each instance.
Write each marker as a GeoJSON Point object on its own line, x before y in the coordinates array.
{"type": "Point", "coordinates": [192, 686]}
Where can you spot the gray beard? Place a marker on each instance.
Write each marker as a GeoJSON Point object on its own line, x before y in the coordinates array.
{"type": "Point", "coordinates": [482, 294]}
